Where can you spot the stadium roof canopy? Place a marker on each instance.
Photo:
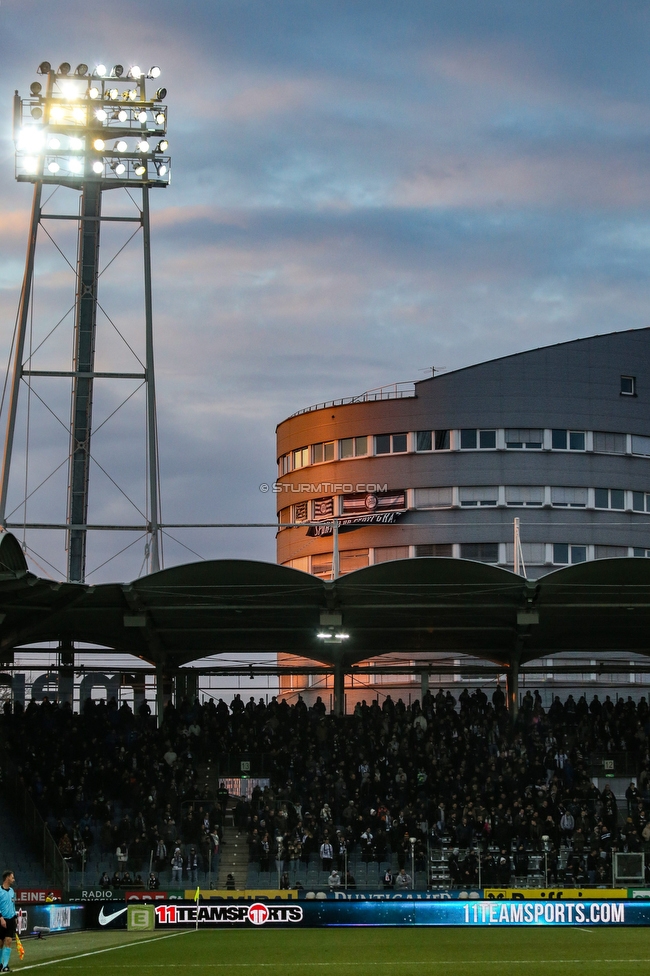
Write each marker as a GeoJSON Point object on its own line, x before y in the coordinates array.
{"type": "Point", "coordinates": [455, 606]}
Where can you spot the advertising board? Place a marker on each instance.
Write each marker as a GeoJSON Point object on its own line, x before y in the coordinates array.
{"type": "Point", "coordinates": [324, 913]}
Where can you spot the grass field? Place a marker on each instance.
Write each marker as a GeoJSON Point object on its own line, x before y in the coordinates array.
{"type": "Point", "coordinates": [346, 952]}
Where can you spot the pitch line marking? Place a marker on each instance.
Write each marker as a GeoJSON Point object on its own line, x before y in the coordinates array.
{"type": "Point", "coordinates": [340, 965]}
{"type": "Point", "coordinates": [96, 952]}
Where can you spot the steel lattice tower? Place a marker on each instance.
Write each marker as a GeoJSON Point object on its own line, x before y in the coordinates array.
{"type": "Point", "coordinates": [62, 133]}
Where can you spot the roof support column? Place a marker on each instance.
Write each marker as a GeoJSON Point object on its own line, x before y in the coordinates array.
{"type": "Point", "coordinates": [185, 686]}
{"type": "Point", "coordinates": [339, 689]}
{"type": "Point", "coordinates": [512, 679]}
{"type": "Point", "coordinates": [424, 683]}
{"type": "Point", "coordinates": [160, 694]}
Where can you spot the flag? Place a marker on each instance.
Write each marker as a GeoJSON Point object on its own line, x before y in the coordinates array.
{"type": "Point", "coordinates": [20, 947]}
{"type": "Point", "coordinates": [197, 894]}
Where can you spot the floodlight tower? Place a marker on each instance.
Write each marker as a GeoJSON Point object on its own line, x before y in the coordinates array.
{"type": "Point", "coordinates": [91, 131]}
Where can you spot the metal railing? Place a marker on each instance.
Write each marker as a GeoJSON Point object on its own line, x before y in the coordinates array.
{"type": "Point", "coordinates": [394, 391]}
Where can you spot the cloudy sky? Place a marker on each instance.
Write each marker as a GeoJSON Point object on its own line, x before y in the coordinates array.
{"type": "Point", "coordinates": [361, 190]}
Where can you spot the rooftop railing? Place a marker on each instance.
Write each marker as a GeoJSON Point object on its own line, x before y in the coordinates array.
{"type": "Point", "coordinates": [394, 391]}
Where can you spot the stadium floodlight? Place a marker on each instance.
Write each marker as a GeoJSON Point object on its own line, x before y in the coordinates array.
{"type": "Point", "coordinates": [71, 111]}
{"type": "Point", "coordinates": [332, 637]}
{"type": "Point", "coordinates": [154, 72]}
{"type": "Point", "coordinates": [161, 94]}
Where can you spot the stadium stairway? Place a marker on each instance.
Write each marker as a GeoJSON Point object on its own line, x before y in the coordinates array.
{"type": "Point", "coordinates": [233, 857]}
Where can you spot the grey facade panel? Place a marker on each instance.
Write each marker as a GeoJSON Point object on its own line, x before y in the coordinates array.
{"type": "Point", "coordinates": [574, 385]}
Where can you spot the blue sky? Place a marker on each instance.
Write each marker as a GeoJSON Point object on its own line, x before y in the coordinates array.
{"type": "Point", "coordinates": [360, 190]}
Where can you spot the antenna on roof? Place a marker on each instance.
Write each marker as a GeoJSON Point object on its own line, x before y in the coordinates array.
{"type": "Point", "coordinates": [434, 369]}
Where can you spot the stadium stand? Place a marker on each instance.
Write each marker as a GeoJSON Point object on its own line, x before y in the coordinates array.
{"type": "Point", "coordinates": [429, 786]}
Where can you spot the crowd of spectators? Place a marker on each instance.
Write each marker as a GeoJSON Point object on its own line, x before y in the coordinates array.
{"type": "Point", "coordinates": [390, 779]}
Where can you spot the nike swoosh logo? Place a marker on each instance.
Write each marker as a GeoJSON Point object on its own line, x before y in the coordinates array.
{"type": "Point", "coordinates": [104, 919]}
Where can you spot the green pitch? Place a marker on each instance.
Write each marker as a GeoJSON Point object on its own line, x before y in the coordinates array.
{"type": "Point", "coordinates": [346, 952]}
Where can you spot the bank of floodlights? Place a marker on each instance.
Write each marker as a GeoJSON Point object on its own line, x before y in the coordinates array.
{"type": "Point", "coordinates": [79, 125]}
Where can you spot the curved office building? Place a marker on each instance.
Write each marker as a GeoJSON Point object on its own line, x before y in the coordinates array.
{"type": "Point", "coordinates": [557, 437]}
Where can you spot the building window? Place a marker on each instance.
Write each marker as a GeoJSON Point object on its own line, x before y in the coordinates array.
{"type": "Point", "coordinates": [641, 553]}
{"type": "Point", "coordinates": [301, 512]}
{"type": "Point", "coordinates": [524, 495]}
{"type": "Point", "coordinates": [352, 559]}
{"type": "Point", "coordinates": [482, 552]}
{"type": "Point", "coordinates": [390, 444]}
{"type": "Point", "coordinates": [323, 508]}
{"type": "Point", "coordinates": [284, 464]}
{"type": "Point", "coordinates": [565, 555]}
{"type": "Point", "coordinates": [610, 552]}
{"type": "Point", "coordinates": [640, 501]}
{"type": "Point", "coordinates": [475, 497]}
{"type": "Point", "coordinates": [569, 497]}
{"type": "Point", "coordinates": [368, 503]}
{"type": "Point", "coordinates": [284, 515]}
{"type": "Point", "coordinates": [487, 439]}
{"type": "Point", "coordinates": [439, 549]}
{"type": "Point", "coordinates": [353, 447]}
{"type": "Point", "coordinates": [640, 445]}
{"type": "Point", "coordinates": [322, 452]}
{"type": "Point", "coordinates": [321, 564]}
{"type": "Point", "coordinates": [429, 440]}
{"type": "Point", "coordinates": [386, 554]}
{"type": "Point", "coordinates": [628, 385]}
{"type": "Point", "coordinates": [301, 563]}
{"type": "Point", "coordinates": [432, 498]}
{"type": "Point", "coordinates": [606, 442]}
{"type": "Point", "coordinates": [524, 438]}
{"type": "Point", "coordinates": [470, 439]}
{"type": "Point", "coordinates": [571, 440]}
{"type": "Point", "coordinates": [300, 458]}
{"type": "Point", "coordinates": [533, 553]}
{"type": "Point", "coordinates": [609, 498]}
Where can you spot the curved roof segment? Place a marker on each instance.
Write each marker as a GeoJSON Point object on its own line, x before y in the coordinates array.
{"type": "Point", "coordinates": [242, 607]}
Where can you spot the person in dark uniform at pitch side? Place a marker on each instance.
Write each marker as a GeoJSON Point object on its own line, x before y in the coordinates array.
{"type": "Point", "coordinates": [7, 918]}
